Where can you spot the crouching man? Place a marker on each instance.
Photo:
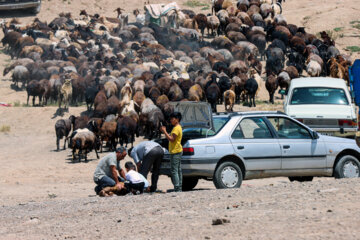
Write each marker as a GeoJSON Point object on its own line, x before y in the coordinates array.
{"type": "Point", "coordinates": [134, 180]}
{"type": "Point", "coordinates": [106, 172]}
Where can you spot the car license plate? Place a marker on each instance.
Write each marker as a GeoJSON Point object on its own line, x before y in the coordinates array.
{"type": "Point", "coordinates": [165, 165]}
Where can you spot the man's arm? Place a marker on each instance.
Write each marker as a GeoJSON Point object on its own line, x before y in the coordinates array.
{"type": "Point", "coordinates": [122, 173]}
{"type": "Point", "coordinates": [115, 176]}
{"type": "Point", "coordinates": [169, 137]}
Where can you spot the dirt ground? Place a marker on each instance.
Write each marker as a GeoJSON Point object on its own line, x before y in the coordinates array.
{"type": "Point", "coordinates": [46, 196]}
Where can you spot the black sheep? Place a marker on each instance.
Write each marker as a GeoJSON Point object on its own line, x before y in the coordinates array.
{"type": "Point", "coordinates": [212, 92]}
{"type": "Point", "coordinates": [251, 87]}
{"type": "Point", "coordinates": [35, 89]}
{"type": "Point", "coordinates": [224, 85]}
{"type": "Point", "coordinates": [126, 130]}
{"type": "Point", "coordinates": [62, 129]}
{"type": "Point", "coordinates": [90, 94]}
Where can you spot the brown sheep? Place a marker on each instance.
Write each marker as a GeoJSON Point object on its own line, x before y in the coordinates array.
{"type": "Point", "coordinates": [213, 24]}
{"type": "Point", "coordinates": [163, 84]}
{"type": "Point", "coordinates": [271, 85]}
{"type": "Point", "coordinates": [110, 89]}
{"type": "Point", "coordinates": [175, 93]}
{"type": "Point", "coordinates": [154, 93]}
{"type": "Point", "coordinates": [100, 98]}
{"type": "Point", "coordinates": [138, 98]}
{"type": "Point", "coordinates": [196, 93]}
{"type": "Point", "coordinates": [113, 105]}
{"type": "Point", "coordinates": [201, 20]}
{"type": "Point", "coordinates": [161, 101]}
{"type": "Point", "coordinates": [25, 51]}
{"type": "Point", "coordinates": [229, 99]}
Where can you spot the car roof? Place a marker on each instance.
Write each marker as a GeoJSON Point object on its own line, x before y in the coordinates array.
{"type": "Point", "coordinates": [257, 113]}
{"type": "Point", "coordinates": [318, 82]}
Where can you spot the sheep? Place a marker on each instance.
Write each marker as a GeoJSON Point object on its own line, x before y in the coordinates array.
{"type": "Point", "coordinates": [113, 105]}
{"type": "Point", "coordinates": [83, 140]}
{"type": "Point", "coordinates": [62, 129]}
{"type": "Point", "coordinates": [138, 98]}
{"type": "Point", "coordinates": [34, 89]}
{"type": "Point", "coordinates": [313, 68]}
{"type": "Point", "coordinates": [65, 93]}
{"type": "Point", "coordinates": [271, 85]}
{"type": "Point", "coordinates": [106, 132]}
{"type": "Point", "coordinates": [161, 101]}
{"type": "Point", "coordinates": [21, 61]}
{"type": "Point", "coordinates": [213, 23]}
{"type": "Point", "coordinates": [126, 94]}
{"type": "Point", "coordinates": [175, 93]}
{"type": "Point", "coordinates": [90, 94]}
{"type": "Point", "coordinates": [25, 51]}
{"type": "Point", "coordinates": [47, 90]}
{"type": "Point", "coordinates": [251, 87]}
{"type": "Point", "coordinates": [283, 81]}
{"type": "Point", "coordinates": [254, 74]}
{"type": "Point", "coordinates": [154, 93]}
{"type": "Point", "coordinates": [229, 99]}
{"type": "Point", "coordinates": [126, 130]}
{"type": "Point", "coordinates": [110, 89]}
{"type": "Point", "coordinates": [139, 85]}
{"type": "Point", "coordinates": [213, 92]}
{"type": "Point", "coordinates": [20, 74]}
{"type": "Point", "coordinates": [196, 93]}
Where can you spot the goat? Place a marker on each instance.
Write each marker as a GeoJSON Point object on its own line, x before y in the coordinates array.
{"type": "Point", "coordinates": [83, 140]}
{"type": "Point", "coordinates": [62, 129]}
{"type": "Point", "coordinates": [65, 93]}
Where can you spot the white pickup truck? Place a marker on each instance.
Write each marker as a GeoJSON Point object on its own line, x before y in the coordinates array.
{"type": "Point", "coordinates": [324, 104]}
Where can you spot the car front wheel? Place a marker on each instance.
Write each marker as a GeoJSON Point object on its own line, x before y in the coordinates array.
{"type": "Point", "coordinates": [189, 183]}
{"type": "Point", "coordinates": [228, 175]}
{"type": "Point", "coordinates": [347, 167]}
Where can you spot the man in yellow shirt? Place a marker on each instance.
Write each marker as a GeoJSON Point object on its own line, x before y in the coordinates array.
{"type": "Point", "coordinates": [175, 150]}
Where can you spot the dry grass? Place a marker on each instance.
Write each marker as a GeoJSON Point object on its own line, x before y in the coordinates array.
{"type": "Point", "coordinates": [5, 128]}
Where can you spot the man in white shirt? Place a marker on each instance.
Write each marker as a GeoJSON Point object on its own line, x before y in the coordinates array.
{"type": "Point", "coordinates": [148, 154]}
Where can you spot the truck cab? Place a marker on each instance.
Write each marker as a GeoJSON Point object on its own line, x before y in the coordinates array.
{"type": "Point", "coordinates": [324, 104]}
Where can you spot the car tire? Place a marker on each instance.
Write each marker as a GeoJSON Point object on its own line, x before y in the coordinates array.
{"type": "Point", "coordinates": [228, 175]}
{"type": "Point", "coordinates": [348, 166]}
{"type": "Point", "coordinates": [35, 10]}
{"type": "Point", "coordinates": [301, 179]}
{"type": "Point", "coordinates": [189, 183]}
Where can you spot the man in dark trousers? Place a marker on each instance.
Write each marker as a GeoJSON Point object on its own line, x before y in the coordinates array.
{"type": "Point", "coordinates": [145, 155]}
{"type": "Point", "coordinates": [106, 172]}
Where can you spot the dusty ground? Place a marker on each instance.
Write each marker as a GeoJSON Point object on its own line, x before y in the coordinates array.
{"type": "Point", "coordinates": [45, 196]}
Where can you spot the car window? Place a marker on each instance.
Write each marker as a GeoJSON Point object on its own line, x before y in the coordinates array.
{"type": "Point", "coordinates": [219, 122]}
{"type": "Point", "coordinates": [318, 95]}
{"type": "Point", "coordinates": [251, 128]}
{"type": "Point", "coordinates": [286, 128]}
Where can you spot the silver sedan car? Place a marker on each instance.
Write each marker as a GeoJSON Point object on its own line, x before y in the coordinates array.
{"type": "Point", "coordinates": [250, 145]}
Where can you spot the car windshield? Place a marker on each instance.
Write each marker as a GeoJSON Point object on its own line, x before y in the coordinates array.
{"type": "Point", "coordinates": [318, 95]}
{"type": "Point", "coordinates": [219, 122]}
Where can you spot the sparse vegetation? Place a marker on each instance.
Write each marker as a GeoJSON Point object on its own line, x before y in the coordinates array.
{"type": "Point", "coordinates": [17, 104]}
{"type": "Point", "coordinates": [332, 34]}
{"type": "Point", "coordinates": [306, 18]}
{"type": "Point", "coordinates": [5, 128]}
{"type": "Point", "coordinates": [338, 29]}
{"type": "Point", "coordinates": [205, 8]}
{"type": "Point", "coordinates": [52, 195]}
{"type": "Point", "coordinates": [353, 48]}
{"type": "Point", "coordinates": [196, 3]}
{"type": "Point", "coordinates": [357, 26]}
{"type": "Point", "coordinates": [353, 22]}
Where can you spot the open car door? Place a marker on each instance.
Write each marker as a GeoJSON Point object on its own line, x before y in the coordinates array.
{"type": "Point", "coordinates": [194, 114]}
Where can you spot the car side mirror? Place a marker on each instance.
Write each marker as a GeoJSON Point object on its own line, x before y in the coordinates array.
{"type": "Point", "coordinates": [315, 135]}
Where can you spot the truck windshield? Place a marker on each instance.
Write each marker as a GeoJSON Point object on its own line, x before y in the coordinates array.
{"type": "Point", "coordinates": [318, 95]}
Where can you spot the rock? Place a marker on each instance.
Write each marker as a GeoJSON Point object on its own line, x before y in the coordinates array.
{"type": "Point", "coordinates": [220, 221]}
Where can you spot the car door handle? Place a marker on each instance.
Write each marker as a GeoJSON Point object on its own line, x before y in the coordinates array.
{"type": "Point", "coordinates": [286, 146]}
{"type": "Point", "coordinates": [240, 147]}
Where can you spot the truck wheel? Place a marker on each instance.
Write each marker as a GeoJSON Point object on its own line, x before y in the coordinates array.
{"type": "Point", "coordinates": [301, 179]}
{"type": "Point", "coordinates": [347, 167]}
{"type": "Point", "coordinates": [35, 10]}
{"type": "Point", "coordinates": [189, 183]}
{"type": "Point", "coordinates": [228, 175]}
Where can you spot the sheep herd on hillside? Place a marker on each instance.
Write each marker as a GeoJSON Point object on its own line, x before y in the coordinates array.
{"type": "Point", "coordinates": [126, 73]}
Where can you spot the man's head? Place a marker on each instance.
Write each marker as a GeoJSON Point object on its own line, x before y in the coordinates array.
{"type": "Point", "coordinates": [175, 118]}
{"type": "Point", "coordinates": [120, 153]}
{"type": "Point", "coordinates": [129, 166]}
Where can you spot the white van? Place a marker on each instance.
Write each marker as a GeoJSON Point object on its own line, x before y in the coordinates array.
{"type": "Point", "coordinates": [322, 103]}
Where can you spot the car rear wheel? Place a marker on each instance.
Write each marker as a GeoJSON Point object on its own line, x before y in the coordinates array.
{"type": "Point", "coordinates": [189, 183]}
{"type": "Point", "coordinates": [228, 175]}
{"type": "Point", "coordinates": [347, 167]}
{"type": "Point", "coordinates": [301, 179]}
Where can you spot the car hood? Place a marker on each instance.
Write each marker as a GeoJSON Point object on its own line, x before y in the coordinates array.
{"type": "Point", "coordinates": [194, 114]}
{"type": "Point", "coordinates": [331, 139]}
{"type": "Point", "coordinates": [320, 111]}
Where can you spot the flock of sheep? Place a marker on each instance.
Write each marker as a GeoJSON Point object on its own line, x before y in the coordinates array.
{"type": "Point", "coordinates": [128, 72]}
